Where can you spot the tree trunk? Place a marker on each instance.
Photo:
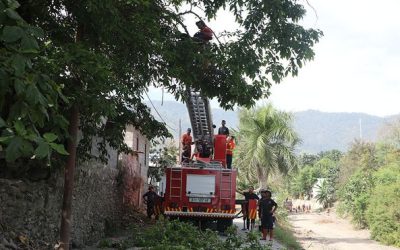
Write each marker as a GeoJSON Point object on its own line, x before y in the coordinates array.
{"type": "Point", "coordinates": [69, 179]}
{"type": "Point", "coordinates": [73, 129]}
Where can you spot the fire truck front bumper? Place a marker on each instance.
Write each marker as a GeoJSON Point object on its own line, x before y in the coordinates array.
{"type": "Point", "coordinates": [200, 214]}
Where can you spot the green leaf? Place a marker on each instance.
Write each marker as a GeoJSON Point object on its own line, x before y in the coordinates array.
{"type": "Point", "coordinates": [29, 45]}
{"type": "Point", "coordinates": [12, 150]}
{"type": "Point", "coordinates": [13, 4]}
{"type": "Point", "coordinates": [12, 34]}
{"type": "Point", "coordinates": [42, 150]}
{"type": "Point", "coordinates": [19, 86]}
{"type": "Point", "coordinates": [5, 139]}
{"type": "Point", "coordinates": [59, 148]}
{"type": "Point", "coordinates": [18, 63]}
{"type": "Point", "coordinates": [20, 128]}
{"type": "Point", "coordinates": [37, 32]}
{"type": "Point", "coordinates": [50, 137]}
{"type": "Point", "coordinates": [13, 14]}
{"type": "Point", "coordinates": [2, 123]}
{"type": "Point", "coordinates": [26, 148]}
{"type": "Point", "coordinates": [32, 94]}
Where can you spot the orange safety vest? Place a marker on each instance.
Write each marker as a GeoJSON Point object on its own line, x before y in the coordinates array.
{"type": "Point", "coordinates": [186, 139]}
{"type": "Point", "coordinates": [230, 146]}
{"type": "Point", "coordinates": [252, 209]}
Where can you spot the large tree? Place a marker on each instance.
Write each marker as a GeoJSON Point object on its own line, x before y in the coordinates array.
{"type": "Point", "coordinates": [266, 143]}
{"type": "Point", "coordinates": [69, 65]}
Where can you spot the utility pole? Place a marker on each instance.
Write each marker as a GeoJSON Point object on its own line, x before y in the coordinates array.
{"type": "Point", "coordinates": [179, 141]}
{"type": "Point", "coordinates": [360, 129]}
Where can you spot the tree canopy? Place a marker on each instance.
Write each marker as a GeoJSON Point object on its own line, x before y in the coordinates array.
{"type": "Point", "coordinates": [103, 56]}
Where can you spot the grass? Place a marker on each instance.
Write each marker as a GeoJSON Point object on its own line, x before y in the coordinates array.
{"type": "Point", "coordinates": [285, 236]}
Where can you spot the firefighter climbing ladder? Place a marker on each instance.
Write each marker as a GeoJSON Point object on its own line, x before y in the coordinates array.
{"type": "Point", "coordinates": [200, 115]}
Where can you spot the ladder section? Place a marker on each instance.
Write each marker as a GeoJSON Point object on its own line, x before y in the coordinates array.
{"type": "Point", "coordinates": [200, 116]}
{"type": "Point", "coordinates": [175, 183]}
{"type": "Point", "coordinates": [226, 185]}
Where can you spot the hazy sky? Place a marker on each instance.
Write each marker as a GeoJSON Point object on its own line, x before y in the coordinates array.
{"type": "Point", "coordinates": [357, 62]}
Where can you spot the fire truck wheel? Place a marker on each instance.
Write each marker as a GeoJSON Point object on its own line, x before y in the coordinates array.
{"type": "Point", "coordinates": [223, 224]}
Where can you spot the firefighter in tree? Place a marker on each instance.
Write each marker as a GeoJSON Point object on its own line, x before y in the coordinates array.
{"type": "Point", "coordinates": [204, 34]}
{"type": "Point", "coordinates": [187, 146]}
{"type": "Point", "coordinates": [250, 208]}
{"type": "Point", "coordinates": [230, 146]}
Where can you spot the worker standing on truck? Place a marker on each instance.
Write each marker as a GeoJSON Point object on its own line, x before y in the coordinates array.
{"type": "Point", "coordinates": [187, 145]}
{"type": "Point", "coordinates": [267, 208]}
{"type": "Point", "coordinates": [250, 195]}
{"type": "Point", "coordinates": [150, 198]}
{"type": "Point", "coordinates": [230, 146]}
{"type": "Point", "coordinates": [223, 130]}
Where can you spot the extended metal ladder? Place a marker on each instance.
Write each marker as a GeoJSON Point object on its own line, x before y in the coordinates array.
{"type": "Point", "coordinates": [200, 115]}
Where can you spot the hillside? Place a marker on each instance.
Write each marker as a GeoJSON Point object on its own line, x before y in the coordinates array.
{"type": "Point", "coordinates": [319, 130]}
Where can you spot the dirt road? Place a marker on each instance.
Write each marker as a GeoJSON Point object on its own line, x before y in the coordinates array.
{"type": "Point", "coordinates": [320, 231]}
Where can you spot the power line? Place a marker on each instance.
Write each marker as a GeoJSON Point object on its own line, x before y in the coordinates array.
{"type": "Point", "coordinates": [158, 112]}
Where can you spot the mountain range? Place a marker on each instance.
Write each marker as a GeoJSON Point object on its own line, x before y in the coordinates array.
{"type": "Point", "coordinates": [319, 131]}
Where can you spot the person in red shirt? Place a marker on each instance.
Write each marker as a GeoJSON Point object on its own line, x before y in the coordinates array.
{"type": "Point", "coordinates": [205, 34]}
{"type": "Point", "coordinates": [230, 146]}
{"type": "Point", "coordinates": [186, 145]}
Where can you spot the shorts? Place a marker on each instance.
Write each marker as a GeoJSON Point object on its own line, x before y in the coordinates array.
{"type": "Point", "coordinates": [267, 222]}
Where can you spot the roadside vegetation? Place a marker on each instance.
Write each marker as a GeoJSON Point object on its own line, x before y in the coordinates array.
{"type": "Point", "coordinates": [363, 182]}
{"type": "Point", "coordinates": [284, 234]}
{"type": "Point", "coordinates": [174, 234]}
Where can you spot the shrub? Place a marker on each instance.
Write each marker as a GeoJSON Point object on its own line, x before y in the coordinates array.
{"type": "Point", "coordinates": [354, 196]}
{"type": "Point", "coordinates": [180, 235]}
{"type": "Point", "coordinates": [383, 214]}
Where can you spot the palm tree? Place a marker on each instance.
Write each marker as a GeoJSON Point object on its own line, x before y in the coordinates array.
{"type": "Point", "coordinates": [324, 195]}
{"type": "Point", "coordinates": [266, 142]}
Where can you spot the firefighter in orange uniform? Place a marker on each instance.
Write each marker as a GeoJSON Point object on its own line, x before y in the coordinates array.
{"type": "Point", "coordinates": [187, 145]}
{"type": "Point", "coordinates": [230, 146]}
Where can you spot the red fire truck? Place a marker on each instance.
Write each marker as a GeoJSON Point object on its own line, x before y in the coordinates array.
{"type": "Point", "coordinates": [202, 190]}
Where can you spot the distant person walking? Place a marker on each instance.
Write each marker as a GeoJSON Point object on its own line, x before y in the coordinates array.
{"type": "Point", "coordinates": [223, 130]}
{"type": "Point", "coordinates": [267, 208]}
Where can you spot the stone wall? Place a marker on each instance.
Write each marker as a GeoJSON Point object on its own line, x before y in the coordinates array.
{"type": "Point", "coordinates": [30, 211]}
